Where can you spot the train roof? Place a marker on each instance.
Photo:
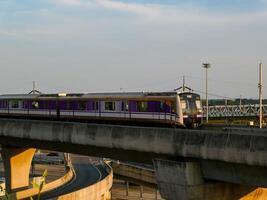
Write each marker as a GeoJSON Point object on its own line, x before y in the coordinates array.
{"type": "Point", "coordinates": [187, 92]}
{"type": "Point", "coordinates": [18, 96]}
{"type": "Point", "coordinates": [114, 95]}
{"type": "Point", "coordinates": [130, 94]}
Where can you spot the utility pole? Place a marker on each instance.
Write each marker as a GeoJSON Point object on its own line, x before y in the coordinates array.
{"type": "Point", "coordinates": [260, 94]}
{"type": "Point", "coordinates": [207, 66]}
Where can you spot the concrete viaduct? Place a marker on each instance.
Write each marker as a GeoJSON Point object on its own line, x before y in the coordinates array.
{"type": "Point", "coordinates": [189, 164]}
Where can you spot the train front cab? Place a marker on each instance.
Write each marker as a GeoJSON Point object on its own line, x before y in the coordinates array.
{"type": "Point", "coordinates": [179, 119]}
{"type": "Point", "coordinates": [190, 109]}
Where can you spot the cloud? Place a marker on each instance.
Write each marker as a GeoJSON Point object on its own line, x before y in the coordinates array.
{"type": "Point", "coordinates": [69, 2]}
{"type": "Point", "coordinates": [198, 16]}
{"type": "Point", "coordinates": [143, 9]}
{"type": "Point", "coordinates": [7, 33]}
{"type": "Point", "coordinates": [136, 8]}
{"type": "Point", "coordinates": [162, 13]}
{"type": "Point", "coordinates": [81, 3]}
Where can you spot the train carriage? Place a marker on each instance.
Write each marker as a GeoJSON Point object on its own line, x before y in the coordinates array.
{"type": "Point", "coordinates": [165, 108]}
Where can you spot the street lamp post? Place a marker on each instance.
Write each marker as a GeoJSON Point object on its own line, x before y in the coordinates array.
{"type": "Point", "coordinates": [207, 66]}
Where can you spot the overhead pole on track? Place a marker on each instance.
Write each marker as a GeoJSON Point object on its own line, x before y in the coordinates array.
{"type": "Point", "coordinates": [207, 66]}
{"type": "Point", "coordinates": [33, 87]}
{"type": "Point", "coordinates": [183, 83]}
{"type": "Point", "coordinates": [260, 95]}
{"type": "Point", "coordinates": [34, 91]}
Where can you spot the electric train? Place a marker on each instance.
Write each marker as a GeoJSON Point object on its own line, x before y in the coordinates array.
{"type": "Point", "coordinates": [161, 108]}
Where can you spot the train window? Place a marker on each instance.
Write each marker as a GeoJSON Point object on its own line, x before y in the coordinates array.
{"type": "Point", "coordinates": [168, 103]}
{"type": "Point", "coordinates": [68, 105]}
{"type": "Point", "coordinates": [124, 105]}
{"type": "Point", "coordinates": [161, 106]}
{"type": "Point", "coordinates": [198, 104]}
{"type": "Point", "coordinates": [95, 105]}
{"type": "Point", "coordinates": [35, 104]}
{"type": "Point", "coordinates": [141, 106]}
{"type": "Point", "coordinates": [110, 105]}
{"type": "Point", "coordinates": [82, 105]}
{"type": "Point", "coordinates": [4, 104]}
{"type": "Point", "coordinates": [14, 104]}
{"type": "Point", "coordinates": [183, 104]}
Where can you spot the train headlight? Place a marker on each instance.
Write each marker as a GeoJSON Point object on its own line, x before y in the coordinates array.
{"type": "Point", "coordinates": [62, 94]}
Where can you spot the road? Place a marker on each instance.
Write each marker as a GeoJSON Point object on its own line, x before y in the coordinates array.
{"type": "Point", "coordinates": [88, 172]}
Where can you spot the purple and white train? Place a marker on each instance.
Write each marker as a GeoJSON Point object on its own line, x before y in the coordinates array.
{"type": "Point", "coordinates": [169, 108]}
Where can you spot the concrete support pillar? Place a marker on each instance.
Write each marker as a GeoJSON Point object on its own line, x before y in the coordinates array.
{"type": "Point", "coordinates": [127, 188]}
{"type": "Point", "coordinates": [17, 164]}
{"type": "Point", "coordinates": [174, 178]}
{"type": "Point", "coordinates": [141, 191]}
{"type": "Point", "coordinates": [184, 181]}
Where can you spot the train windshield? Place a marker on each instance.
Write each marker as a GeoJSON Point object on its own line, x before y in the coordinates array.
{"type": "Point", "coordinates": [198, 104]}
{"type": "Point", "coordinates": [190, 102]}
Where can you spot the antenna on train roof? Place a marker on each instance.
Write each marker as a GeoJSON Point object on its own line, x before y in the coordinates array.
{"type": "Point", "coordinates": [183, 87]}
{"type": "Point", "coordinates": [34, 91]}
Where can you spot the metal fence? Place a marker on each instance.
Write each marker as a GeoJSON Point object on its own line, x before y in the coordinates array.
{"type": "Point", "coordinates": [235, 110]}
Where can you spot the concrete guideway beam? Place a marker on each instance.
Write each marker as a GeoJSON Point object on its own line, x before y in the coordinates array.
{"type": "Point", "coordinates": [234, 173]}
{"type": "Point", "coordinates": [17, 165]}
{"type": "Point", "coordinates": [184, 181]}
{"type": "Point", "coordinates": [242, 146]}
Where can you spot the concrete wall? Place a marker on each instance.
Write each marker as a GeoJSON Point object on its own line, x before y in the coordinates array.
{"type": "Point", "coordinates": [184, 181]}
{"type": "Point", "coordinates": [137, 174]}
{"type": "Point", "coordinates": [236, 146]}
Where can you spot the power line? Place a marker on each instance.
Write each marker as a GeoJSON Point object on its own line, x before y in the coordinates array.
{"type": "Point", "coordinates": [215, 95]}
{"type": "Point", "coordinates": [223, 81]}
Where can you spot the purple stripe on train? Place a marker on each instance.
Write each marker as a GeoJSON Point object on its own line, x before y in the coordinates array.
{"type": "Point", "coordinates": [151, 106]}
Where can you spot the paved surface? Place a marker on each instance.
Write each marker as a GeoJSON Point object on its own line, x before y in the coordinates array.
{"type": "Point", "coordinates": [54, 171]}
{"type": "Point", "coordinates": [88, 171]}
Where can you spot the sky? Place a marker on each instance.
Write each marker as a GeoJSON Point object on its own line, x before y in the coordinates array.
{"type": "Point", "coordinates": [133, 45]}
